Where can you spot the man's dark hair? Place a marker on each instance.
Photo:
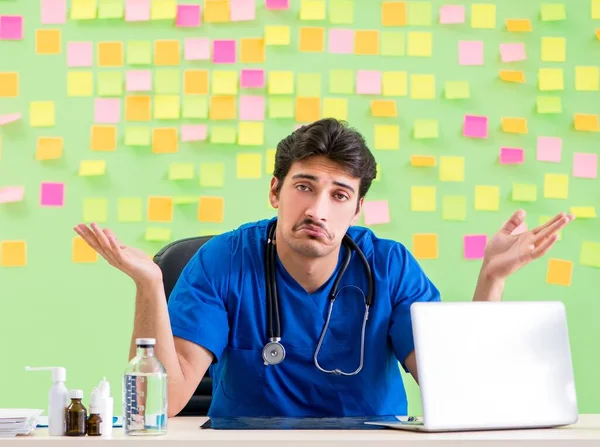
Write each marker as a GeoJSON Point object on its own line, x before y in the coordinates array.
{"type": "Point", "coordinates": [332, 139]}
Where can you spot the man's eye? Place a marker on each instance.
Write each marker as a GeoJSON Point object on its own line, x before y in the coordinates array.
{"type": "Point", "coordinates": [341, 197]}
{"type": "Point", "coordinates": [302, 187]}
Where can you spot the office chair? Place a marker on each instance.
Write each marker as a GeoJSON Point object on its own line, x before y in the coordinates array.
{"type": "Point", "coordinates": [171, 259]}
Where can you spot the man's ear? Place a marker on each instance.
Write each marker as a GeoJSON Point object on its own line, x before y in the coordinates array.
{"type": "Point", "coordinates": [273, 196]}
{"type": "Point", "coordinates": [358, 210]}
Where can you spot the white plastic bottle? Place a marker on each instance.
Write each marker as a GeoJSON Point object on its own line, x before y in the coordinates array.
{"type": "Point", "coordinates": [58, 399]}
{"type": "Point", "coordinates": [106, 407]}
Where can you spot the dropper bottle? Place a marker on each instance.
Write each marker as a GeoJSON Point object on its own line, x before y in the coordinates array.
{"type": "Point", "coordinates": [58, 399]}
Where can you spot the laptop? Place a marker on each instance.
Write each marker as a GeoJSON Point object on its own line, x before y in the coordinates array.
{"type": "Point", "coordinates": [491, 366]}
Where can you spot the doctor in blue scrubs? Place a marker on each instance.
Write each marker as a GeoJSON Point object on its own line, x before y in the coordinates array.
{"type": "Point", "coordinates": [304, 314]}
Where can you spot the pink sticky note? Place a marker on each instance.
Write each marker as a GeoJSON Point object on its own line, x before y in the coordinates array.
{"type": "Point", "coordinates": [11, 194]}
{"type": "Point", "coordinates": [188, 15]}
{"type": "Point", "coordinates": [53, 12]}
{"type": "Point", "coordinates": [512, 52]}
{"type": "Point", "coordinates": [277, 4]}
{"type": "Point", "coordinates": [549, 149]}
{"type": "Point", "coordinates": [52, 194]}
{"type": "Point", "coordinates": [470, 52]}
{"type": "Point", "coordinates": [107, 110]}
{"type": "Point", "coordinates": [137, 10]}
{"type": "Point", "coordinates": [511, 156]}
{"type": "Point", "coordinates": [585, 165]}
{"type": "Point", "coordinates": [252, 78]}
{"type": "Point", "coordinates": [475, 126]}
{"type": "Point", "coordinates": [80, 54]}
{"type": "Point", "coordinates": [474, 246]}
{"type": "Point", "coordinates": [138, 81]}
{"type": "Point", "coordinates": [368, 82]}
{"type": "Point", "coordinates": [341, 41]}
{"type": "Point", "coordinates": [224, 51]}
{"type": "Point", "coordinates": [451, 14]}
{"type": "Point", "coordinates": [242, 10]}
{"type": "Point", "coordinates": [197, 49]}
{"type": "Point", "coordinates": [9, 118]}
{"type": "Point", "coordinates": [11, 28]}
{"type": "Point", "coordinates": [193, 132]}
{"type": "Point", "coordinates": [376, 212]}
{"type": "Point", "coordinates": [252, 108]}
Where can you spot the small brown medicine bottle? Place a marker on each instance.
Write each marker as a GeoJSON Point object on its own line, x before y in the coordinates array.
{"type": "Point", "coordinates": [76, 415]}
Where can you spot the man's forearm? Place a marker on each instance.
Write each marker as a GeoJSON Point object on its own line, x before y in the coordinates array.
{"type": "Point", "coordinates": [487, 288]}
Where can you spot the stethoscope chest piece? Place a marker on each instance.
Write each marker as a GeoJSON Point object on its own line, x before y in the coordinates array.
{"type": "Point", "coordinates": [273, 353]}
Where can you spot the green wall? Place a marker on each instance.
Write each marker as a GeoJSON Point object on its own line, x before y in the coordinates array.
{"type": "Point", "coordinates": [79, 315]}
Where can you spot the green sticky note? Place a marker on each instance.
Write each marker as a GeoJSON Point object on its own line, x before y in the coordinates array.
{"type": "Point", "coordinates": [139, 52]}
{"type": "Point", "coordinates": [166, 107]}
{"type": "Point", "coordinates": [419, 13]}
{"type": "Point", "coordinates": [130, 209]}
{"type": "Point", "coordinates": [155, 234]}
{"type": "Point", "coordinates": [167, 81]}
{"type": "Point", "coordinates": [341, 12]}
{"type": "Point", "coordinates": [110, 83]}
{"type": "Point", "coordinates": [137, 136]}
{"type": "Point", "coordinates": [281, 107]}
{"type": "Point", "coordinates": [457, 90]}
{"type": "Point", "coordinates": [95, 210]}
{"type": "Point", "coordinates": [195, 107]}
{"type": "Point", "coordinates": [522, 192]}
{"type": "Point", "coordinates": [426, 129]}
{"type": "Point", "coordinates": [553, 12]}
{"type": "Point", "coordinates": [341, 82]}
{"type": "Point", "coordinates": [549, 104]}
{"type": "Point", "coordinates": [393, 43]}
{"type": "Point", "coordinates": [181, 171]}
{"type": "Point", "coordinates": [110, 9]}
{"type": "Point", "coordinates": [309, 84]}
{"type": "Point", "coordinates": [544, 219]}
{"type": "Point", "coordinates": [185, 200]}
{"type": "Point", "coordinates": [590, 254]}
{"type": "Point", "coordinates": [223, 134]}
{"type": "Point", "coordinates": [212, 175]}
{"type": "Point", "coordinates": [454, 208]}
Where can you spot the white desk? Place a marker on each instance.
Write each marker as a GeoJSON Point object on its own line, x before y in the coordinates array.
{"type": "Point", "coordinates": [185, 431]}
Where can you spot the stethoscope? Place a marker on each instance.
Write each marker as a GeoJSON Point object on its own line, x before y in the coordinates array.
{"type": "Point", "coordinates": [273, 353]}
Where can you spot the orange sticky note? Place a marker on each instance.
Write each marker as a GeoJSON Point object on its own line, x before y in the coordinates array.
{"type": "Point", "coordinates": [9, 85]}
{"type": "Point", "coordinates": [514, 125]}
{"type": "Point", "coordinates": [166, 52]}
{"type": "Point", "coordinates": [47, 41]}
{"type": "Point", "coordinates": [103, 138]}
{"type": "Point", "coordinates": [512, 76]}
{"type": "Point", "coordinates": [308, 109]}
{"type": "Point", "coordinates": [559, 272]}
{"type": "Point", "coordinates": [222, 107]}
{"type": "Point", "coordinates": [164, 140]}
{"type": "Point", "coordinates": [252, 51]}
{"type": "Point", "coordinates": [393, 13]}
{"type": "Point", "coordinates": [425, 246]}
{"type": "Point", "coordinates": [366, 42]}
{"type": "Point", "coordinates": [586, 122]}
{"type": "Point", "coordinates": [160, 209]}
{"type": "Point", "coordinates": [383, 108]}
{"type": "Point", "coordinates": [138, 108]}
{"type": "Point", "coordinates": [82, 252]}
{"type": "Point", "coordinates": [210, 209]}
{"type": "Point", "coordinates": [518, 25]}
{"type": "Point", "coordinates": [49, 148]}
{"type": "Point", "coordinates": [110, 54]}
{"type": "Point", "coordinates": [195, 82]}
{"type": "Point", "coordinates": [312, 39]}
{"type": "Point", "coordinates": [423, 161]}
{"type": "Point", "coordinates": [216, 11]}
{"type": "Point", "coordinates": [13, 253]}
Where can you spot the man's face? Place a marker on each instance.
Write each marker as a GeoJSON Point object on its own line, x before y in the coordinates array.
{"type": "Point", "coordinates": [317, 203]}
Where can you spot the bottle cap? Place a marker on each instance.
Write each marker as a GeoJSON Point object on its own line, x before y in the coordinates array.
{"type": "Point", "coordinates": [145, 341]}
{"type": "Point", "coordinates": [76, 394]}
{"type": "Point", "coordinates": [104, 388]}
{"type": "Point", "coordinates": [94, 400]}
{"type": "Point", "coordinates": [59, 374]}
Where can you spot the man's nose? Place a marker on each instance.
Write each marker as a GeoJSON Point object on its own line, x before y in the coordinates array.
{"type": "Point", "coordinates": [319, 208]}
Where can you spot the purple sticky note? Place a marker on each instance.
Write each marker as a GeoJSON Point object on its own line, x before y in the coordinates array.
{"type": "Point", "coordinates": [224, 51]}
{"type": "Point", "coordinates": [80, 54]}
{"type": "Point", "coordinates": [341, 41]}
{"type": "Point", "coordinates": [277, 4]}
{"type": "Point", "coordinates": [470, 52]}
{"type": "Point", "coordinates": [10, 194]}
{"type": "Point", "coordinates": [197, 49]}
{"type": "Point", "coordinates": [193, 132]}
{"type": "Point", "coordinates": [475, 126]}
{"type": "Point", "coordinates": [549, 149]}
{"type": "Point", "coordinates": [252, 108]}
{"type": "Point", "coordinates": [376, 212]}
{"type": "Point", "coordinates": [511, 156]}
{"type": "Point", "coordinates": [474, 246]}
{"type": "Point", "coordinates": [242, 10]}
{"type": "Point", "coordinates": [9, 118]}
{"type": "Point", "coordinates": [187, 16]}
{"type": "Point", "coordinates": [53, 12]}
{"type": "Point", "coordinates": [138, 81]}
{"type": "Point", "coordinates": [252, 78]}
{"type": "Point", "coordinates": [368, 82]}
{"type": "Point", "coordinates": [585, 165]}
{"type": "Point", "coordinates": [137, 10]}
{"type": "Point", "coordinates": [452, 14]}
{"type": "Point", "coordinates": [512, 52]}
{"type": "Point", "coordinates": [52, 194]}
{"type": "Point", "coordinates": [107, 110]}
{"type": "Point", "coordinates": [11, 28]}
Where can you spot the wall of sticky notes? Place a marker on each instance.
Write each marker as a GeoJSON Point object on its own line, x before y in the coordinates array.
{"type": "Point", "coordinates": [159, 120]}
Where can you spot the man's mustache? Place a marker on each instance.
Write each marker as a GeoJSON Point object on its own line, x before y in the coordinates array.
{"type": "Point", "coordinates": [310, 222]}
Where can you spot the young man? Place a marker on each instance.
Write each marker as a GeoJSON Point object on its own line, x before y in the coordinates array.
{"type": "Point", "coordinates": [218, 317]}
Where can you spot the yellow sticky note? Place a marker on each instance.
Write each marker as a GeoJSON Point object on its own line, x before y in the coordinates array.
{"type": "Point", "coordinates": [181, 171]}
{"type": "Point", "coordinates": [80, 83]}
{"type": "Point", "coordinates": [164, 140]}
{"type": "Point", "coordinates": [222, 108]}
{"type": "Point", "coordinates": [452, 169]}
{"type": "Point", "coordinates": [395, 83]}
{"type": "Point", "coordinates": [518, 25]}
{"type": "Point", "coordinates": [422, 86]}
{"type": "Point", "coordinates": [311, 39]}
{"type": "Point", "coordinates": [366, 42]}
{"type": "Point", "coordinates": [13, 253]}
{"type": "Point", "coordinates": [281, 83]}
{"type": "Point", "coordinates": [103, 138]}
{"type": "Point", "coordinates": [341, 12]}
{"type": "Point", "coordinates": [216, 11]}
{"type": "Point", "coordinates": [223, 134]}
{"type": "Point", "coordinates": [514, 125]}
{"type": "Point", "coordinates": [95, 210]}
{"type": "Point", "coordinates": [554, 49]}
{"type": "Point", "coordinates": [598, 33]}
{"type": "Point", "coordinates": [163, 9]}
{"type": "Point", "coordinates": [587, 79]}
{"type": "Point", "coordinates": [309, 84]}
{"type": "Point", "coordinates": [212, 175]}
{"type": "Point", "coordinates": [420, 44]}
{"type": "Point", "coordinates": [383, 108]}
{"type": "Point", "coordinates": [92, 167]}
{"type": "Point", "coordinates": [224, 82]}
{"type": "Point", "coordinates": [584, 122]}
{"type": "Point", "coordinates": [166, 52]}
{"type": "Point", "coordinates": [425, 129]}
{"type": "Point", "coordinates": [560, 272]}
{"type": "Point", "coordinates": [425, 246]}
{"type": "Point", "coordinates": [110, 54]}
{"type": "Point", "coordinates": [154, 234]}
{"type": "Point", "coordinates": [308, 110]}
{"type": "Point", "coordinates": [595, 13]}
{"type": "Point", "coordinates": [512, 76]}
{"type": "Point", "coordinates": [130, 209]}
{"type": "Point", "coordinates": [252, 50]}
{"type": "Point", "coordinates": [422, 198]}
{"type": "Point", "coordinates": [393, 43]}
{"type": "Point", "coordinates": [312, 10]}
{"type": "Point", "coordinates": [160, 209]}
{"type": "Point", "coordinates": [47, 41]}
{"type": "Point", "coordinates": [487, 198]}
{"type": "Point", "coordinates": [523, 192]}
{"type": "Point", "coordinates": [551, 79]}
{"type": "Point", "coordinates": [483, 16]}
{"type": "Point", "coordinates": [556, 186]}
{"type": "Point", "coordinates": [249, 166]}
{"type": "Point", "coordinates": [82, 252]}
{"type": "Point", "coordinates": [251, 133]}
{"type": "Point", "coordinates": [167, 107]}
{"type": "Point", "coordinates": [211, 209]}
{"type": "Point", "coordinates": [584, 212]}
{"type": "Point", "coordinates": [387, 136]}
{"type": "Point", "coordinates": [335, 108]}
{"type": "Point", "coordinates": [41, 114]}
{"type": "Point", "coordinates": [457, 90]}
{"type": "Point", "coordinates": [277, 35]}
{"type": "Point", "coordinates": [270, 161]}
{"type": "Point", "coordinates": [423, 161]}
{"type": "Point", "coordinates": [454, 208]}
{"type": "Point", "coordinates": [83, 9]}
{"type": "Point", "coordinates": [49, 148]}
{"type": "Point", "coordinates": [9, 84]}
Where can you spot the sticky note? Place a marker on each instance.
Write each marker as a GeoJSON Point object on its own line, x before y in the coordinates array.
{"type": "Point", "coordinates": [368, 82]}
{"type": "Point", "coordinates": [9, 85]}
{"type": "Point", "coordinates": [167, 81]}
{"type": "Point", "coordinates": [110, 83]}
{"type": "Point", "coordinates": [277, 35]}
{"type": "Point", "coordinates": [224, 51]}
{"type": "Point", "coordinates": [107, 110]}
{"type": "Point", "coordinates": [514, 125]}
{"type": "Point", "coordinates": [138, 80]}
{"type": "Point", "coordinates": [277, 4]}
{"type": "Point", "coordinates": [53, 12]}
{"type": "Point", "coordinates": [586, 122]}
{"type": "Point", "coordinates": [222, 108]}
{"type": "Point", "coordinates": [185, 200]}
{"type": "Point", "coordinates": [10, 194]}
{"type": "Point", "coordinates": [511, 156]}
{"type": "Point", "coordinates": [154, 234]}
{"type": "Point", "coordinates": [518, 25]}
{"type": "Point", "coordinates": [52, 194]}
{"type": "Point", "coordinates": [311, 39]}
{"type": "Point", "coordinates": [422, 198]}
{"type": "Point", "coordinates": [196, 49]}
{"type": "Point", "coordinates": [419, 13]}
{"type": "Point", "coordinates": [82, 252]}
{"type": "Point", "coordinates": [341, 41]}
{"type": "Point", "coordinates": [452, 14]}
{"type": "Point", "coordinates": [217, 11]}
{"type": "Point", "coordinates": [393, 13]}
{"type": "Point", "coordinates": [426, 128]}
{"type": "Point", "coordinates": [280, 107]}
{"type": "Point", "coordinates": [139, 52]}
{"type": "Point", "coordinates": [452, 169]}
{"type": "Point", "coordinates": [335, 108]}
{"type": "Point", "coordinates": [13, 253]}
{"type": "Point", "coordinates": [212, 175]}
{"type": "Point", "coordinates": [41, 114]}
{"type": "Point", "coordinates": [197, 107]}
{"type": "Point", "coordinates": [393, 43]}
{"type": "Point", "coordinates": [420, 44]}
{"type": "Point", "coordinates": [252, 50]}
{"type": "Point", "coordinates": [312, 10]}
{"type": "Point", "coordinates": [160, 209]}
{"type": "Point", "coordinates": [129, 209]}
{"type": "Point", "coordinates": [95, 210]}
{"type": "Point", "coordinates": [549, 149]}
{"type": "Point", "coordinates": [387, 136]}
{"type": "Point", "coordinates": [512, 76]}
{"type": "Point", "coordinates": [211, 209]}
{"type": "Point", "coordinates": [138, 108]}
{"type": "Point", "coordinates": [487, 198]}
{"type": "Point", "coordinates": [80, 83]}
{"type": "Point", "coordinates": [48, 41]}
{"type": "Point", "coordinates": [423, 161]}
{"type": "Point", "coordinates": [556, 186]}
{"type": "Point", "coordinates": [252, 108]}
{"type": "Point", "coordinates": [553, 49]}
{"type": "Point", "coordinates": [137, 136]}
{"type": "Point", "coordinates": [560, 272]}
{"type": "Point", "coordinates": [79, 54]}
{"type": "Point", "coordinates": [522, 192]}
{"type": "Point", "coordinates": [270, 160]}
{"type": "Point", "coordinates": [163, 9]}
{"type": "Point", "coordinates": [224, 82]}
{"type": "Point", "coordinates": [590, 254]}
{"type": "Point", "coordinates": [366, 42]}
{"type": "Point", "coordinates": [281, 83]}
{"type": "Point", "coordinates": [595, 13]}
{"type": "Point", "coordinates": [470, 52]}
{"type": "Point", "coordinates": [309, 84]}
{"type": "Point", "coordinates": [252, 78]}
{"type": "Point", "coordinates": [242, 10]}
{"type": "Point", "coordinates": [585, 165]}
{"type": "Point", "coordinates": [474, 246]}
{"type": "Point", "coordinates": [425, 246]}
{"type": "Point", "coordinates": [249, 166]}
{"type": "Point", "coordinates": [551, 12]}
{"type": "Point", "coordinates": [454, 208]}
{"type": "Point", "coordinates": [223, 134]}
{"type": "Point", "coordinates": [49, 148]}
{"type": "Point", "coordinates": [587, 79]}
{"type": "Point", "coordinates": [11, 27]}
{"type": "Point", "coordinates": [92, 167]}
{"type": "Point", "coordinates": [251, 133]}
{"type": "Point", "coordinates": [512, 52]}
{"type": "Point", "coordinates": [457, 90]}
{"type": "Point", "coordinates": [110, 54]}
{"type": "Point", "coordinates": [103, 138]}
{"type": "Point", "coordinates": [137, 10]}
{"type": "Point", "coordinates": [110, 9]}
{"type": "Point", "coordinates": [341, 82]}
{"type": "Point", "coordinates": [341, 12]}
{"type": "Point", "coordinates": [181, 171]}
{"type": "Point", "coordinates": [188, 16]}
{"type": "Point", "coordinates": [383, 108]}
{"type": "Point", "coordinates": [167, 107]}
{"type": "Point", "coordinates": [550, 79]}
{"type": "Point", "coordinates": [307, 110]}
{"type": "Point", "coordinates": [422, 86]}
{"type": "Point", "coordinates": [475, 126]}
{"type": "Point", "coordinates": [376, 212]}
{"type": "Point", "coordinates": [166, 53]}
{"type": "Point", "coordinates": [164, 140]}
{"type": "Point", "coordinates": [483, 16]}
{"type": "Point", "coordinates": [194, 132]}
{"type": "Point", "coordinates": [83, 9]}
{"type": "Point", "coordinates": [549, 104]}
{"type": "Point", "coordinates": [584, 212]}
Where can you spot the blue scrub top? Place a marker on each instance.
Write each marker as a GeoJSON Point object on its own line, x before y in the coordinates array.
{"type": "Point", "coordinates": [219, 302]}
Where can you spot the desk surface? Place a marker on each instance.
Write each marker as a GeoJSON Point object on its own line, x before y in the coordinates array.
{"type": "Point", "coordinates": [186, 431]}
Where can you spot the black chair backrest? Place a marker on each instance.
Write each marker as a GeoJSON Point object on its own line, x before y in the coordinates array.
{"type": "Point", "coordinates": [172, 259]}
